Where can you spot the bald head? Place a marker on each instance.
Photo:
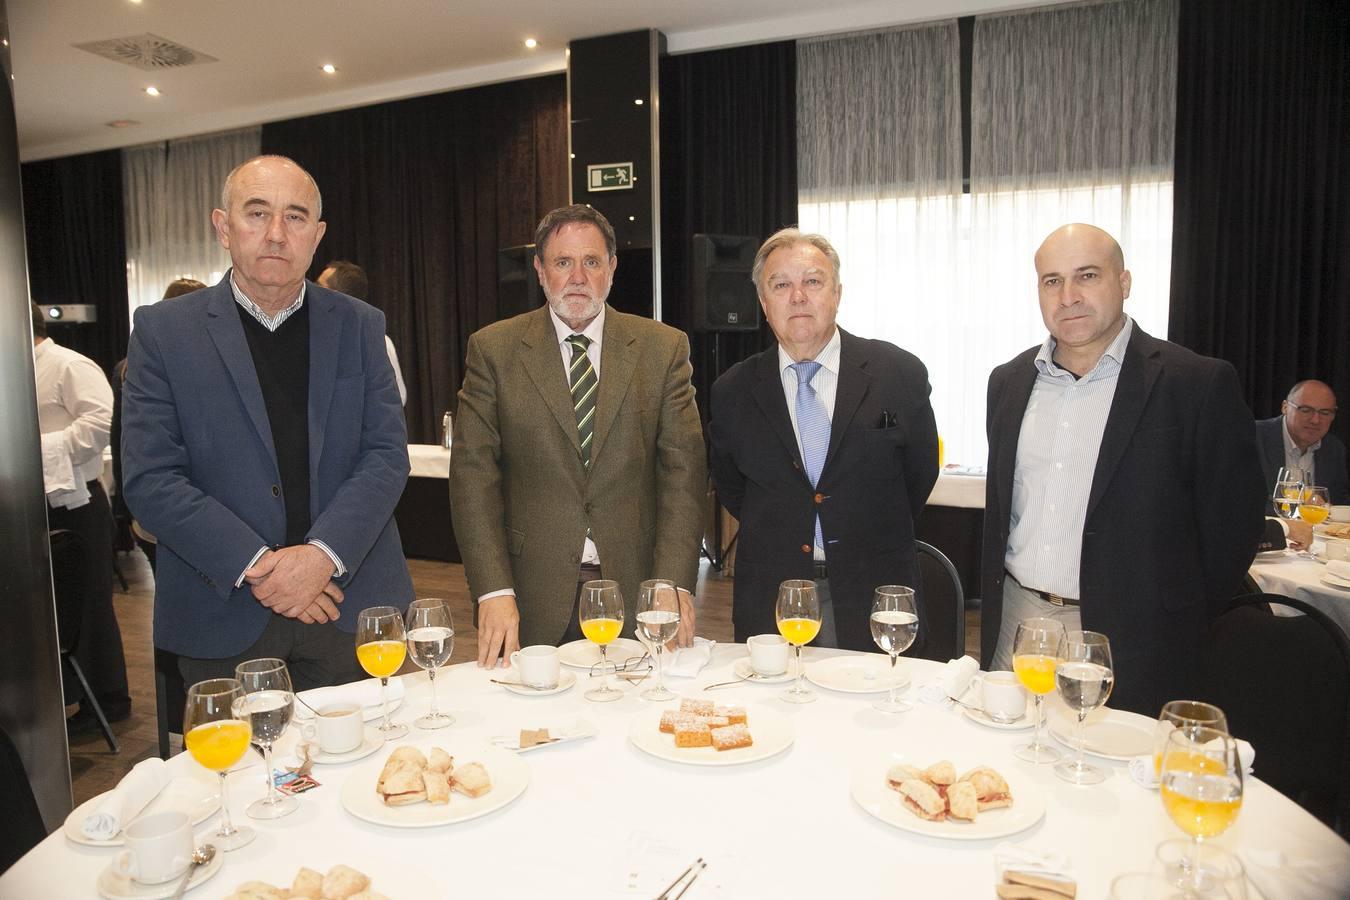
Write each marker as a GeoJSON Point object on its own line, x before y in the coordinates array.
{"type": "Point", "coordinates": [269, 161]}
{"type": "Point", "coordinates": [1082, 284]}
{"type": "Point", "coordinates": [1083, 238]}
{"type": "Point", "coordinates": [1309, 412]}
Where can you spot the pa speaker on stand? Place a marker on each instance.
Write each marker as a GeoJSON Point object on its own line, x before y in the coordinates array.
{"type": "Point", "coordinates": [724, 297]}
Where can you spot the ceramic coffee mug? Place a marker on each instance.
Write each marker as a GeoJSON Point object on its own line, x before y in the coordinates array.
{"type": "Point", "coordinates": [768, 654]}
{"type": "Point", "coordinates": [159, 848]}
{"type": "Point", "coordinates": [537, 665]}
{"type": "Point", "coordinates": [339, 727]}
{"type": "Point", "coordinates": [1002, 698]}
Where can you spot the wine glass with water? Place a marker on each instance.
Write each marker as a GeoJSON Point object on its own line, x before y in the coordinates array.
{"type": "Point", "coordinates": [895, 624]}
{"type": "Point", "coordinates": [380, 650]}
{"type": "Point", "coordinates": [268, 705]}
{"type": "Point", "coordinates": [1288, 494]}
{"type": "Point", "coordinates": [658, 621]}
{"type": "Point", "coordinates": [1084, 676]}
{"type": "Point", "coordinates": [217, 738]}
{"type": "Point", "coordinates": [431, 641]}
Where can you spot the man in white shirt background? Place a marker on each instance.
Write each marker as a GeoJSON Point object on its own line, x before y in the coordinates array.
{"type": "Point", "coordinates": [74, 403]}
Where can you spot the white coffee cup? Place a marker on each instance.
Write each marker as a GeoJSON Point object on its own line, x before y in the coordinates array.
{"type": "Point", "coordinates": [339, 727]}
{"type": "Point", "coordinates": [1002, 697]}
{"type": "Point", "coordinates": [537, 665]}
{"type": "Point", "coordinates": [159, 848]}
{"type": "Point", "coordinates": [768, 654]}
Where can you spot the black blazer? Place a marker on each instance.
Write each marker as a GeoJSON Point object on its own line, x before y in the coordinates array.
{"type": "Point", "coordinates": [1173, 517]}
{"type": "Point", "coordinates": [876, 479]}
{"type": "Point", "coordinates": [1328, 461]}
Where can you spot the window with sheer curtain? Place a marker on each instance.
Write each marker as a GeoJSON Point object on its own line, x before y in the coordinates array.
{"type": "Point", "coordinates": [1072, 112]}
{"type": "Point", "coordinates": [169, 190]}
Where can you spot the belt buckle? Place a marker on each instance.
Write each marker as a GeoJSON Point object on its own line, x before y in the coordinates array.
{"type": "Point", "coordinates": [1054, 599]}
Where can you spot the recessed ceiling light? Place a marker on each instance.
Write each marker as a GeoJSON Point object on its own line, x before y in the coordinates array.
{"type": "Point", "coordinates": [531, 43]}
{"type": "Point", "coordinates": [121, 123]}
{"type": "Point", "coordinates": [152, 91]}
{"type": "Point", "coordinates": [638, 102]}
{"type": "Point", "coordinates": [329, 69]}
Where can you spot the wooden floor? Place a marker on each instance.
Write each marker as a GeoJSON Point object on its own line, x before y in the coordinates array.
{"type": "Point", "coordinates": [94, 769]}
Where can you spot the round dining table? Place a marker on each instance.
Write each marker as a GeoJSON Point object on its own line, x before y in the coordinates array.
{"type": "Point", "coordinates": [600, 817]}
{"type": "Point", "coordinates": [1291, 573]}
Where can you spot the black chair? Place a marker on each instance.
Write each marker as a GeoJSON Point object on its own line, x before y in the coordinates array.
{"type": "Point", "coordinates": [170, 698]}
{"type": "Point", "coordinates": [944, 605]}
{"type": "Point", "coordinates": [1284, 683]}
{"type": "Point", "coordinates": [70, 585]}
{"type": "Point", "coordinates": [24, 828]}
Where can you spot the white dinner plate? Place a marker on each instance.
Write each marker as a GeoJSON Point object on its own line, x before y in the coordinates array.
{"type": "Point", "coordinates": [565, 681]}
{"type": "Point", "coordinates": [873, 794]}
{"type": "Point", "coordinates": [853, 674]}
{"type": "Point", "coordinates": [584, 654]}
{"type": "Point", "coordinates": [508, 772]}
{"type": "Point", "coordinates": [115, 886]}
{"type": "Point", "coordinates": [770, 733]}
{"type": "Point", "coordinates": [1335, 581]}
{"type": "Point", "coordinates": [196, 793]}
{"type": "Point", "coordinates": [1108, 733]}
{"type": "Point", "coordinates": [746, 672]}
{"type": "Point", "coordinates": [979, 717]}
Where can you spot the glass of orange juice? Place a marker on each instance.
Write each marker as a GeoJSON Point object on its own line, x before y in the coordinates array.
{"type": "Point", "coordinates": [1316, 505]}
{"type": "Point", "coordinates": [798, 616]}
{"type": "Point", "coordinates": [1186, 714]}
{"type": "Point", "coordinates": [1201, 791]}
{"type": "Point", "coordinates": [380, 649]}
{"type": "Point", "coordinates": [600, 609]}
{"type": "Point", "coordinates": [1035, 650]}
{"type": "Point", "coordinates": [217, 740]}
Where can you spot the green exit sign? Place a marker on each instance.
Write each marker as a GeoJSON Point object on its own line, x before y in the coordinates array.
{"type": "Point", "coordinates": [610, 177]}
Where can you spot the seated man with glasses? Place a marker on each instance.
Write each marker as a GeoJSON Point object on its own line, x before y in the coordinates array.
{"type": "Point", "coordinates": [1298, 438]}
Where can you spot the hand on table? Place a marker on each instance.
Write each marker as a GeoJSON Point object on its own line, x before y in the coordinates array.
{"type": "Point", "coordinates": [685, 636]}
{"type": "Point", "coordinates": [498, 630]}
{"type": "Point", "coordinates": [295, 580]}
{"type": "Point", "coordinates": [1300, 534]}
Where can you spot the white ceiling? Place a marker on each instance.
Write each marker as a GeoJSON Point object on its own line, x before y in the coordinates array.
{"type": "Point", "coordinates": [270, 51]}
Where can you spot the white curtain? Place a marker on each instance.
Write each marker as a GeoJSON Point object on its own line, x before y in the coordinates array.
{"type": "Point", "coordinates": [1072, 112]}
{"type": "Point", "coordinates": [169, 190]}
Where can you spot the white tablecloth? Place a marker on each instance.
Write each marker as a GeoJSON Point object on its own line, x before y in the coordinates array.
{"type": "Point", "coordinates": [1289, 574]}
{"type": "Point", "coordinates": [785, 827]}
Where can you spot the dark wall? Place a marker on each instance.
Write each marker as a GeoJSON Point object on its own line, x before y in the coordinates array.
{"type": "Point", "coordinates": [77, 250]}
{"type": "Point", "coordinates": [423, 194]}
{"type": "Point", "coordinates": [31, 709]}
{"type": "Point", "coordinates": [1261, 231]}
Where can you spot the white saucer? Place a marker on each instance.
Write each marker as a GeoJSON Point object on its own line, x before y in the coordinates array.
{"type": "Point", "coordinates": [746, 672]}
{"type": "Point", "coordinates": [979, 717]}
{"type": "Point", "coordinates": [119, 887]}
{"type": "Point", "coordinates": [583, 654]}
{"type": "Point", "coordinates": [372, 742]}
{"type": "Point", "coordinates": [565, 681]}
{"type": "Point", "coordinates": [854, 674]}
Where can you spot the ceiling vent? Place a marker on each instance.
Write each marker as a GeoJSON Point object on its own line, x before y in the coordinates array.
{"type": "Point", "coordinates": [146, 51]}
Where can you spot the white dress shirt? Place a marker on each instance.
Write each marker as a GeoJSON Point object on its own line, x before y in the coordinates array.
{"type": "Point", "coordinates": [590, 556]}
{"type": "Point", "coordinates": [1056, 458]}
{"type": "Point", "coordinates": [74, 406]}
{"type": "Point", "coordinates": [826, 385]}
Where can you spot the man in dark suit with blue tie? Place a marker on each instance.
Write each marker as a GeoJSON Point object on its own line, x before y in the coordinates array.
{"type": "Point", "coordinates": [824, 447]}
{"type": "Point", "coordinates": [264, 446]}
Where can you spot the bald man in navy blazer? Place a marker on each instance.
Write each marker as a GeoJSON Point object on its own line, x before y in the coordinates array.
{"type": "Point", "coordinates": [264, 445]}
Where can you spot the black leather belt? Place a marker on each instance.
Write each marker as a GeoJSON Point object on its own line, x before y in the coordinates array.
{"type": "Point", "coordinates": [1052, 599]}
{"type": "Point", "coordinates": [822, 571]}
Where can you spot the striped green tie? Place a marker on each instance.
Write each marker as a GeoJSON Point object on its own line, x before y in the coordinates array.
{"type": "Point", "coordinates": [581, 375]}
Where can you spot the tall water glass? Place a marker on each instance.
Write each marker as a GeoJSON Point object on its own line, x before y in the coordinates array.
{"type": "Point", "coordinates": [431, 641]}
{"type": "Point", "coordinates": [268, 705]}
{"type": "Point", "coordinates": [658, 621]}
{"type": "Point", "coordinates": [895, 625]}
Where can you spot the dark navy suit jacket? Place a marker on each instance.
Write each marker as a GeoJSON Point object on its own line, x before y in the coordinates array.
{"type": "Point", "coordinates": [200, 469]}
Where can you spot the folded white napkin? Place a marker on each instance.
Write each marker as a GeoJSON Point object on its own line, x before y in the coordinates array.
{"type": "Point", "coordinates": [62, 484]}
{"type": "Point", "coordinates": [1280, 878]}
{"type": "Point", "coordinates": [689, 661]}
{"type": "Point", "coordinates": [954, 680]}
{"type": "Point", "coordinates": [1021, 858]}
{"type": "Point", "coordinates": [1144, 772]}
{"type": "Point", "coordinates": [125, 802]}
{"type": "Point", "coordinates": [1340, 568]}
{"type": "Point", "coordinates": [362, 693]}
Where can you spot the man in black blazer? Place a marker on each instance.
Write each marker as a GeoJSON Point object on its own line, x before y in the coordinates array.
{"type": "Point", "coordinates": [1298, 437]}
{"type": "Point", "coordinates": [1124, 493]}
{"type": "Point", "coordinates": [828, 492]}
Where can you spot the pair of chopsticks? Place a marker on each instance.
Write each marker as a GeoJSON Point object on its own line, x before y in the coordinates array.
{"type": "Point", "coordinates": [686, 878]}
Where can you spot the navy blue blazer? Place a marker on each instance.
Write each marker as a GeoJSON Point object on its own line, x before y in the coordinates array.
{"type": "Point", "coordinates": [879, 469]}
{"type": "Point", "coordinates": [1173, 517]}
{"type": "Point", "coordinates": [1328, 460]}
{"type": "Point", "coordinates": [200, 469]}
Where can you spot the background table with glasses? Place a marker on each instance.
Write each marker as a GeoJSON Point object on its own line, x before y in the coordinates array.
{"type": "Point", "coordinates": [1290, 574]}
{"type": "Point", "coordinates": [600, 814]}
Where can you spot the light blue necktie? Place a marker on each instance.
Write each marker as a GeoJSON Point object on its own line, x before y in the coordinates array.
{"type": "Point", "coordinates": [813, 424]}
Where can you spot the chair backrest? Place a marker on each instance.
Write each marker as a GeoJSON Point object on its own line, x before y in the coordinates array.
{"type": "Point", "coordinates": [24, 828]}
{"type": "Point", "coordinates": [1284, 684]}
{"type": "Point", "coordinates": [944, 605]}
{"type": "Point", "coordinates": [70, 575]}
